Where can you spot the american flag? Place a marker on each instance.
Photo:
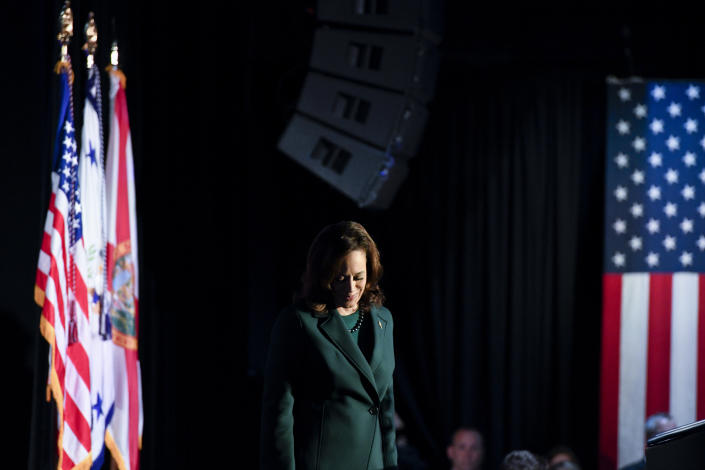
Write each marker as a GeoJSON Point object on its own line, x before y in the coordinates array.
{"type": "Point", "coordinates": [61, 292]}
{"type": "Point", "coordinates": [653, 338]}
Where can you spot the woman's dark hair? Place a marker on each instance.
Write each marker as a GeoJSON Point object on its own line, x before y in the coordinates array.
{"type": "Point", "coordinates": [325, 257]}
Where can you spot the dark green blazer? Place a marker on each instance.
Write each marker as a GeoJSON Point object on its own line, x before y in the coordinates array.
{"type": "Point", "coordinates": [324, 405]}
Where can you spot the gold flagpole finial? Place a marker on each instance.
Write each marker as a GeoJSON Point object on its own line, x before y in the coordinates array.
{"type": "Point", "coordinates": [114, 67]}
{"type": "Point", "coordinates": [65, 29]}
{"type": "Point", "coordinates": [114, 56]}
{"type": "Point", "coordinates": [91, 44]}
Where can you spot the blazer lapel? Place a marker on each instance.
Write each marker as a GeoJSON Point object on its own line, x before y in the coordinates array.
{"type": "Point", "coordinates": [334, 329]}
{"type": "Point", "coordinates": [379, 326]}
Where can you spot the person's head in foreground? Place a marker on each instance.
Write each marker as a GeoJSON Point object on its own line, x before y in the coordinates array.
{"type": "Point", "coordinates": [466, 449]}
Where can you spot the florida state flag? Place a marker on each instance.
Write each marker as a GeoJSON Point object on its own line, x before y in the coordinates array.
{"type": "Point", "coordinates": [124, 428]}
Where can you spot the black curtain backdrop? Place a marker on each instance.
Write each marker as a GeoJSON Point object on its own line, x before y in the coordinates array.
{"type": "Point", "coordinates": [491, 248]}
{"type": "Point", "coordinates": [506, 335]}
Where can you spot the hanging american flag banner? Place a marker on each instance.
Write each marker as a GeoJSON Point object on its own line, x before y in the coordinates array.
{"type": "Point", "coordinates": [125, 425]}
{"type": "Point", "coordinates": [61, 292]}
{"type": "Point", "coordinates": [653, 338]}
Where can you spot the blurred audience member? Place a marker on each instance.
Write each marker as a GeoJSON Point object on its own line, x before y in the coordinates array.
{"type": "Point", "coordinates": [560, 454]}
{"type": "Point", "coordinates": [522, 460]}
{"type": "Point", "coordinates": [466, 450]}
{"type": "Point", "coordinates": [408, 457]}
{"type": "Point", "coordinates": [655, 424]}
{"type": "Point", "coordinates": [564, 465]}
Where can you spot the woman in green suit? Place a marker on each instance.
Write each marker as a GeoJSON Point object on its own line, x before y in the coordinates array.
{"type": "Point", "coordinates": [328, 400]}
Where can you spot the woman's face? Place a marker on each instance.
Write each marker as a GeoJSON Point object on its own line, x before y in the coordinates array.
{"type": "Point", "coordinates": [349, 284]}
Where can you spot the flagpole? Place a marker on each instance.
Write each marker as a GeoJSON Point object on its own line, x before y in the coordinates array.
{"type": "Point", "coordinates": [64, 66]}
{"type": "Point", "coordinates": [64, 37]}
{"type": "Point", "coordinates": [91, 44]}
{"type": "Point", "coordinates": [114, 67]}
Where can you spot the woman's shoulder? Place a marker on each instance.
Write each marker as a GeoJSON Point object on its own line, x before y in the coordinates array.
{"type": "Point", "coordinates": [295, 313]}
{"type": "Point", "coordinates": [382, 311]}
{"type": "Point", "coordinates": [289, 316]}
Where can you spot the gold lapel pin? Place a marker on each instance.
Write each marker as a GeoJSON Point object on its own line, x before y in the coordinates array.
{"type": "Point", "coordinates": [379, 323]}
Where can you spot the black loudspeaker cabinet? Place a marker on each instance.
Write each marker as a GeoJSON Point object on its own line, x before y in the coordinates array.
{"type": "Point", "coordinates": [363, 108]}
{"type": "Point", "coordinates": [402, 62]}
{"type": "Point", "coordinates": [413, 16]}
{"type": "Point", "coordinates": [364, 173]}
{"type": "Point", "coordinates": [373, 115]}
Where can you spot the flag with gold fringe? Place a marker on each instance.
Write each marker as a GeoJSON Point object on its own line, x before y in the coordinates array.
{"type": "Point", "coordinates": [124, 429]}
{"type": "Point", "coordinates": [92, 181]}
{"type": "Point", "coordinates": [61, 291]}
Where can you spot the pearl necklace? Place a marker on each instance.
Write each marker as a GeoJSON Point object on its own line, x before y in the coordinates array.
{"type": "Point", "coordinates": [358, 324]}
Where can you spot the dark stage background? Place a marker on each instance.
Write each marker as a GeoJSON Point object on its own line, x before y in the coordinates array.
{"type": "Point", "coordinates": [492, 246]}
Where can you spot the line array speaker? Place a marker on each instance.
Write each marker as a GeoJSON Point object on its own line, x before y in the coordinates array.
{"type": "Point", "coordinates": [362, 110]}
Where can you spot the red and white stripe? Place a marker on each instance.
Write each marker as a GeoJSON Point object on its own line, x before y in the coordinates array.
{"type": "Point", "coordinates": [653, 357]}
{"type": "Point", "coordinates": [69, 374]}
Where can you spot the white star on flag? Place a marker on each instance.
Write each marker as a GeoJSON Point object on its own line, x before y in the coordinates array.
{"type": "Point", "coordinates": [701, 209]}
{"type": "Point", "coordinates": [702, 142]}
{"type": "Point", "coordinates": [669, 243]}
{"type": "Point", "coordinates": [701, 243]}
{"type": "Point", "coordinates": [671, 176]}
{"type": "Point", "coordinates": [623, 127]}
{"type": "Point", "coordinates": [653, 226]}
{"type": "Point", "coordinates": [702, 176]}
{"type": "Point", "coordinates": [622, 160]}
{"type": "Point", "coordinates": [673, 143]}
{"type": "Point", "coordinates": [656, 126]}
{"type": "Point", "coordinates": [689, 159]}
{"type": "Point", "coordinates": [640, 111]}
{"type": "Point", "coordinates": [639, 144]}
{"type": "Point", "coordinates": [691, 125]}
{"type": "Point", "coordinates": [674, 109]}
{"type": "Point", "coordinates": [625, 94]}
{"type": "Point", "coordinates": [635, 243]}
{"type": "Point", "coordinates": [658, 92]}
{"type": "Point", "coordinates": [670, 209]}
{"type": "Point", "coordinates": [620, 193]}
{"type": "Point", "coordinates": [638, 177]}
{"type": "Point", "coordinates": [637, 210]}
{"type": "Point", "coordinates": [620, 226]}
{"type": "Point", "coordinates": [688, 192]}
{"type": "Point", "coordinates": [655, 159]}
{"type": "Point", "coordinates": [655, 192]}
{"type": "Point", "coordinates": [686, 225]}
{"type": "Point", "coordinates": [652, 259]}
{"type": "Point", "coordinates": [618, 259]}
{"type": "Point", "coordinates": [693, 92]}
{"type": "Point", "coordinates": [686, 258]}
